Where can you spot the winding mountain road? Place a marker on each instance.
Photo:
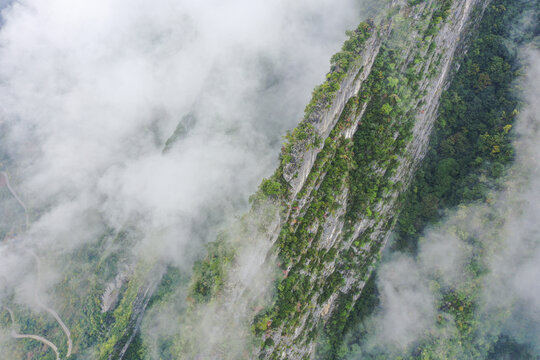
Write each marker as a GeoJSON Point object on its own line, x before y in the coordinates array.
{"type": "Point", "coordinates": [65, 329]}
{"type": "Point", "coordinates": [51, 311]}
{"type": "Point", "coordinates": [14, 194]}
{"type": "Point", "coordinates": [41, 339]}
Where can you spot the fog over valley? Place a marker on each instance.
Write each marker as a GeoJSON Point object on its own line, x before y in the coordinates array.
{"type": "Point", "coordinates": [308, 179]}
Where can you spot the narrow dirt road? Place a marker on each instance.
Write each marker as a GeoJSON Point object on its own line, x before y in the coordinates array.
{"type": "Point", "coordinates": [41, 339]}
{"type": "Point", "coordinates": [51, 311]}
{"type": "Point", "coordinates": [65, 329]}
{"type": "Point", "coordinates": [63, 326]}
{"type": "Point", "coordinates": [14, 194]}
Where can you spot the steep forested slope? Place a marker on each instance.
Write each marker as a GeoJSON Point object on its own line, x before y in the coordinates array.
{"type": "Point", "coordinates": [469, 150]}
{"type": "Point", "coordinates": [345, 166]}
{"type": "Point", "coordinates": [414, 118]}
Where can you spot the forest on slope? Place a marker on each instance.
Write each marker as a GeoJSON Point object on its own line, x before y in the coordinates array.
{"type": "Point", "coordinates": [111, 206]}
{"type": "Point", "coordinates": [469, 163]}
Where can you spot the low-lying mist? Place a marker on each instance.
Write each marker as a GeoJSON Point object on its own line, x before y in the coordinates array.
{"type": "Point", "coordinates": [487, 255]}
{"type": "Point", "coordinates": [154, 120]}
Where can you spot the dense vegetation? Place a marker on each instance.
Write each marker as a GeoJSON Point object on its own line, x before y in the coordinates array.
{"type": "Point", "coordinates": [469, 150]}
{"type": "Point", "coordinates": [471, 140]}
{"type": "Point", "coordinates": [363, 165]}
{"type": "Point", "coordinates": [363, 169]}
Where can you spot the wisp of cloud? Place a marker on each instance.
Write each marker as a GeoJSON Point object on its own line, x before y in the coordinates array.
{"type": "Point", "coordinates": [92, 93]}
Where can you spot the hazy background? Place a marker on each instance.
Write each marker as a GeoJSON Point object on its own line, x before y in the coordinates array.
{"type": "Point", "coordinates": [91, 92]}
{"type": "Point", "coordinates": [502, 236]}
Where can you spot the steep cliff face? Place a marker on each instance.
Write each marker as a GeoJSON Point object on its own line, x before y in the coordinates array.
{"type": "Point", "coordinates": [342, 173]}
{"type": "Point", "coordinates": [348, 163]}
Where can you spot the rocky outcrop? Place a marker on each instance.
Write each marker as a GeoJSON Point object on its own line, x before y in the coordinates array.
{"type": "Point", "coordinates": [339, 184]}
{"type": "Point", "coordinates": [138, 308]}
{"type": "Point", "coordinates": [325, 117]}
{"type": "Point", "coordinates": [344, 243]}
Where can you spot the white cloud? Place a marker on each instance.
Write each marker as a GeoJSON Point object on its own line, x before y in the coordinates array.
{"type": "Point", "coordinates": [91, 91]}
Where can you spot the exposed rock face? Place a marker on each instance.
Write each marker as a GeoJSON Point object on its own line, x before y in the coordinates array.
{"type": "Point", "coordinates": [324, 119]}
{"type": "Point", "coordinates": [109, 299]}
{"type": "Point", "coordinates": [351, 244]}
{"type": "Point", "coordinates": [139, 306]}
{"type": "Point", "coordinates": [344, 175]}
